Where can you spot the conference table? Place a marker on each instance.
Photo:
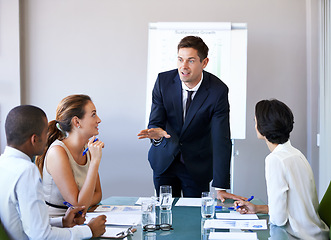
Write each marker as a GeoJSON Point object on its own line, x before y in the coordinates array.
{"type": "Point", "coordinates": [187, 223]}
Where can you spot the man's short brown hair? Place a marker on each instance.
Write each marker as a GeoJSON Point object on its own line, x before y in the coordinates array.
{"type": "Point", "coordinates": [196, 43]}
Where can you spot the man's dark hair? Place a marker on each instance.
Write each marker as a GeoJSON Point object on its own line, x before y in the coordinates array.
{"type": "Point", "coordinates": [22, 122]}
{"type": "Point", "coordinates": [274, 120]}
{"type": "Point", "coordinates": [196, 43]}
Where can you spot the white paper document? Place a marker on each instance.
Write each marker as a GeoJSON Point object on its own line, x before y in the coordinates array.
{"type": "Point", "coordinates": [236, 224]}
{"type": "Point", "coordinates": [143, 199]}
{"type": "Point", "coordinates": [189, 202]}
{"type": "Point", "coordinates": [236, 215]}
{"type": "Point", "coordinates": [233, 236]}
{"type": "Point", "coordinates": [125, 219]}
{"type": "Point", "coordinates": [118, 209]}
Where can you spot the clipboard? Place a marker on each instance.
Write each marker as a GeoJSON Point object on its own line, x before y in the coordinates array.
{"type": "Point", "coordinates": [118, 232]}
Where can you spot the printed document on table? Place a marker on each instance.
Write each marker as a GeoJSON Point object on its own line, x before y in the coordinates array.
{"type": "Point", "coordinates": [189, 202]}
{"type": "Point", "coordinates": [117, 209]}
{"type": "Point", "coordinates": [233, 236]}
{"type": "Point", "coordinates": [125, 219]}
{"type": "Point", "coordinates": [236, 224]}
{"type": "Point", "coordinates": [236, 215]}
{"type": "Point", "coordinates": [143, 199]}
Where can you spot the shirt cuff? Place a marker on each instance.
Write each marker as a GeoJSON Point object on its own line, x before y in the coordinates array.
{"type": "Point", "coordinates": [82, 231]}
{"type": "Point", "coordinates": [157, 142]}
{"type": "Point", "coordinates": [220, 189]}
{"type": "Point", "coordinates": [56, 222]}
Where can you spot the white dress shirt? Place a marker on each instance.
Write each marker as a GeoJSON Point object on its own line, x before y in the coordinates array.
{"type": "Point", "coordinates": [184, 91]}
{"type": "Point", "coordinates": [292, 197]}
{"type": "Point", "coordinates": [23, 211]}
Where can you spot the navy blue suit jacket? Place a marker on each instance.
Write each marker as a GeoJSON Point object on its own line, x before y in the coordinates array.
{"type": "Point", "coordinates": [204, 137]}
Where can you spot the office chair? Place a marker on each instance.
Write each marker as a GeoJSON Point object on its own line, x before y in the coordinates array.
{"type": "Point", "coordinates": [324, 209]}
{"type": "Point", "coordinates": [3, 234]}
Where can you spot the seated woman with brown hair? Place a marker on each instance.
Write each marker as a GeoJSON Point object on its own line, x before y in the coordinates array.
{"type": "Point", "coordinates": [68, 174]}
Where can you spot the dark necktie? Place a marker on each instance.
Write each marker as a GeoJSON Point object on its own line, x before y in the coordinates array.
{"type": "Point", "coordinates": [188, 103]}
{"type": "Point", "coordinates": [189, 100]}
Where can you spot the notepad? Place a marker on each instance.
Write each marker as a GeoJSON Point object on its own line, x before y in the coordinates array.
{"type": "Point", "coordinates": [117, 232]}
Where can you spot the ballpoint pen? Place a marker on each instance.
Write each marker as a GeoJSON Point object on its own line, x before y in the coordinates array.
{"type": "Point", "coordinates": [127, 232]}
{"type": "Point", "coordinates": [250, 199]}
{"type": "Point", "coordinates": [70, 206]}
{"type": "Point", "coordinates": [223, 207]}
{"type": "Point", "coordinates": [85, 151]}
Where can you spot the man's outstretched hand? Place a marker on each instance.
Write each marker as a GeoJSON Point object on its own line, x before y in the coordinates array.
{"type": "Point", "coordinates": [153, 133]}
{"type": "Point", "coordinates": [222, 195]}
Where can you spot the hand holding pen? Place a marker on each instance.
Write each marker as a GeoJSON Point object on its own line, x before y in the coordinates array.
{"type": "Point", "coordinates": [95, 148]}
{"type": "Point", "coordinates": [71, 206]}
{"type": "Point", "coordinates": [85, 151]}
{"type": "Point", "coordinates": [73, 216]}
{"type": "Point", "coordinates": [245, 207]}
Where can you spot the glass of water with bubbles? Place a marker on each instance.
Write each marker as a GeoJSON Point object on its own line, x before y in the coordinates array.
{"type": "Point", "coordinates": [207, 205]}
{"type": "Point", "coordinates": [148, 213]}
{"type": "Point", "coordinates": [165, 197]}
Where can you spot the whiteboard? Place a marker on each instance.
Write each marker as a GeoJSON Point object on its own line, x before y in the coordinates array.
{"type": "Point", "coordinates": [227, 43]}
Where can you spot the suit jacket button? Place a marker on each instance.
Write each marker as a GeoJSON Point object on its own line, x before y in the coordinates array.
{"type": "Point", "coordinates": [180, 144]}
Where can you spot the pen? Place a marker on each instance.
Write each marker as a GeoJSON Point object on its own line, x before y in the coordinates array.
{"type": "Point", "coordinates": [70, 206]}
{"type": "Point", "coordinates": [129, 231]}
{"type": "Point", "coordinates": [221, 207]}
{"type": "Point", "coordinates": [248, 200]}
{"type": "Point", "coordinates": [85, 151]}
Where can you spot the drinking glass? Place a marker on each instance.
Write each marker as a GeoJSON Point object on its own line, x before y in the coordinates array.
{"type": "Point", "coordinates": [165, 197]}
{"type": "Point", "coordinates": [148, 213]}
{"type": "Point", "coordinates": [149, 236]}
{"type": "Point", "coordinates": [165, 217]}
{"type": "Point", "coordinates": [207, 205]}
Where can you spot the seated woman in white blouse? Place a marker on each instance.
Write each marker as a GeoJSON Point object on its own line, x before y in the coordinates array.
{"type": "Point", "coordinates": [292, 197]}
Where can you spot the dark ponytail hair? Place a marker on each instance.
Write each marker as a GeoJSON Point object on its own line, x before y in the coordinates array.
{"type": "Point", "coordinates": [68, 108]}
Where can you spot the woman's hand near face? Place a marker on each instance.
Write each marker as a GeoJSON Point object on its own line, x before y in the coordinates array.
{"type": "Point", "coordinates": [95, 149]}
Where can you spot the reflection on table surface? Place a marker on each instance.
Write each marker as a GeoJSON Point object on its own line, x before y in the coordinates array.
{"type": "Point", "coordinates": [279, 233]}
{"type": "Point", "coordinates": [188, 225]}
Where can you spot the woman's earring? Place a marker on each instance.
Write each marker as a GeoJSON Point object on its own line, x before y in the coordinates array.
{"type": "Point", "coordinates": [78, 126]}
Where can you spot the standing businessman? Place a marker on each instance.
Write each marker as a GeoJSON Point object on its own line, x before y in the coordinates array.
{"type": "Point", "coordinates": [189, 126]}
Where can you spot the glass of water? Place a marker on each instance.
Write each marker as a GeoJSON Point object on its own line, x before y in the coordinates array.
{"type": "Point", "coordinates": [165, 197]}
{"type": "Point", "coordinates": [207, 205]}
{"type": "Point", "coordinates": [148, 213]}
{"type": "Point", "coordinates": [165, 217]}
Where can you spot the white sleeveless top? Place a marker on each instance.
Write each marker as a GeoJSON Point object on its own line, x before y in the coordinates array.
{"type": "Point", "coordinates": [51, 192]}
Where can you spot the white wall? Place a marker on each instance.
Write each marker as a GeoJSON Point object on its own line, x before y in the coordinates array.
{"type": "Point", "coordinates": [9, 62]}
{"type": "Point", "coordinates": [325, 100]}
{"type": "Point", "coordinates": [100, 48]}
